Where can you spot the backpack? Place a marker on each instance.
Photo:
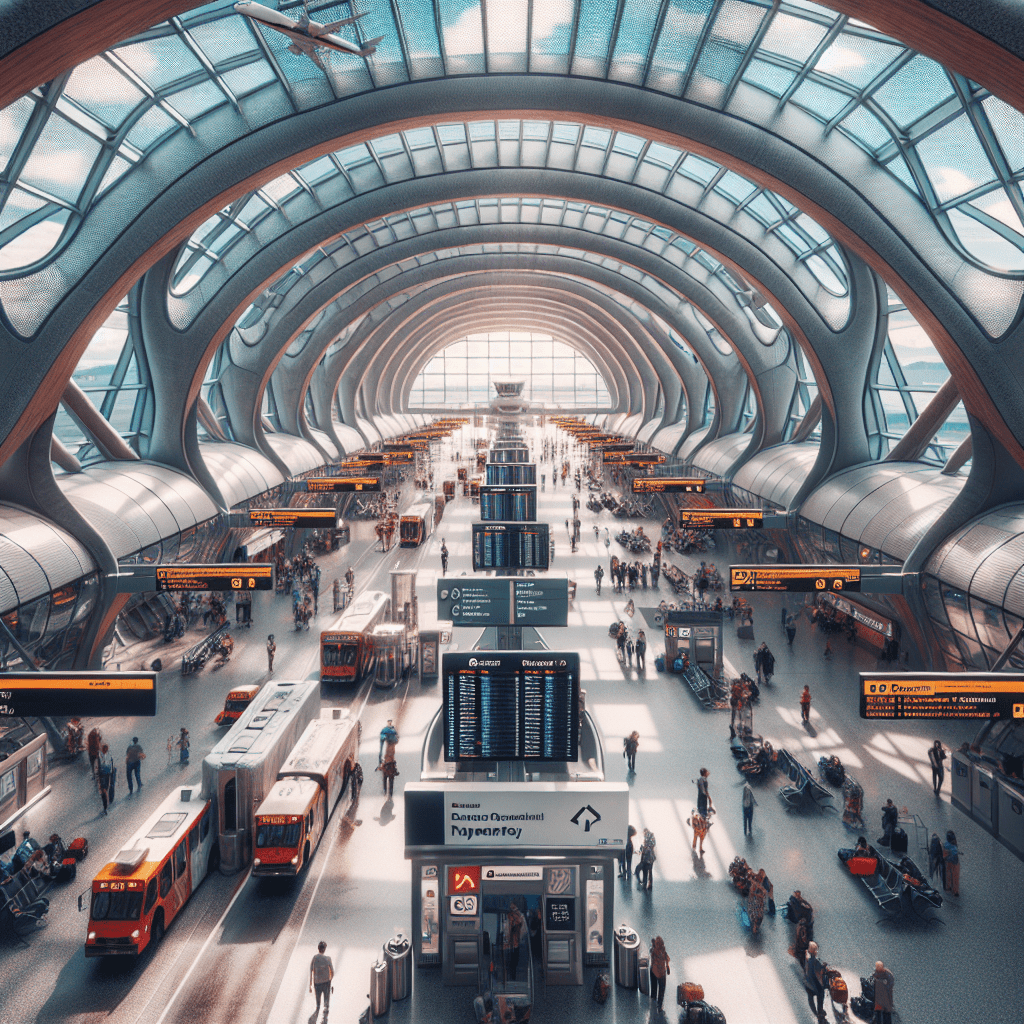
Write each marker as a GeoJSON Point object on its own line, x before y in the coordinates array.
{"type": "Point", "coordinates": [602, 985]}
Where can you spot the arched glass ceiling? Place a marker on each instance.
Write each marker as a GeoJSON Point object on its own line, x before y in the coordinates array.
{"type": "Point", "coordinates": [556, 374]}
{"type": "Point", "coordinates": [958, 148]}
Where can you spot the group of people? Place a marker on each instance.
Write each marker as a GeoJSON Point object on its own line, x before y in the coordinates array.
{"type": "Point", "coordinates": [630, 575]}
{"type": "Point", "coordinates": [104, 771]}
{"type": "Point", "coordinates": [626, 647]}
{"type": "Point", "coordinates": [756, 889]}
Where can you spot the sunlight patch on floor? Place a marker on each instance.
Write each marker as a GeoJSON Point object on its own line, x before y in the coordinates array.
{"type": "Point", "coordinates": [616, 721]}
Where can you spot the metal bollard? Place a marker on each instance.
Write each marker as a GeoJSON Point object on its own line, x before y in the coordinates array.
{"type": "Point", "coordinates": [380, 990]}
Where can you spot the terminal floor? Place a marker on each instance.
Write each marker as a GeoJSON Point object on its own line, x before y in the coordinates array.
{"type": "Point", "coordinates": [240, 950]}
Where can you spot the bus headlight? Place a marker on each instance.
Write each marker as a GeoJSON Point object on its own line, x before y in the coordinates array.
{"type": "Point", "coordinates": [295, 859]}
{"type": "Point", "coordinates": [92, 936]}
{"type": "Point", "coordinates": [135, 935]}
{"type": "Point", "coordinates": [256, 861]}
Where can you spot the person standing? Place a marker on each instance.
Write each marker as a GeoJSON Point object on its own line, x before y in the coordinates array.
{"type": "Point", "coordinates": [805, 704]}
{"type": "Point", "coordinates": [641, 652]}
{"type": "Point", "coordinates": [444, 557]}
{"type": "Point", "coordinates": [515, 925]}
{"type": "Point", "coordinates": [890, 819]}
{"type": "Point", "coordinates": [271, 651]}
{"type": "Point", "coordinates": [183, 745]}
{"type": "Point", "coordinates": [936, 862]}
{"type": "Point", "coordinates": [321, 974]}
{"type": "Point", "coordinates": [659, 969]}
{"type": "Point", "coordinates": [749, 803]}
{"type": "Point", "coordinates": [598, 576]}
{"type": "Point", "coordinates": [133, 758]}
{"type": "Point", "coordinates": [884, 981]}
{"type": "Point", "coordinates": [700, 826]}
{"type": "Point", "coordinates": [814, 981]}
{"type": "Point", "coordinates": [629, 749]}
{"type": "Point", "coordinates": [704, 805]}
{"type": "Point", "coordinates": [105, 777]}
{"type": "Point", "coordinates": [92, 745]}
{"type": "Point", "coordinates": [626, 862]}
{"type": "Point", "coordinates": [937, 755]}
{"type": "Point", "coordinates": [951, 860]}
{"type": "Point", "coordinates": [647, 858]}
{"type": "Point", "coordinates": [790, 630]}
{"type": "Point", "coordinates": [630, 648]}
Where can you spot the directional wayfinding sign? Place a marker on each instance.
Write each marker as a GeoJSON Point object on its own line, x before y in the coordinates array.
{"type": "Point", "coordinates": [535, 601]}
{"type": "Point", "coordinates": [91, 694]}
{"type": "Point", "coordinates": [942, 695]}
{"type": "Point", "coordinates": [721, 519]}
{"type": "Point", "coordinates": [343, 483]}
{"type": "Point", "coordinates": [668, 485]}
{"type": "Point", "coordinates": [222, 576]}
{"type": "Point", "coordinates": [794, 578]}
{"type": "Point", "coordinates": [312, 518]}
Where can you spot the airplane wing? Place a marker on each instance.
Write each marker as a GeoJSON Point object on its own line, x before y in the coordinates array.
{"type": "Point", "coordinates": [332, 26]}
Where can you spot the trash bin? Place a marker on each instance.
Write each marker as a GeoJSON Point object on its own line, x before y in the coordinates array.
{"type": "Point", "coordinates": [627, 952]}
{"type": "Point", "coordinates": [398, 956]}
{"type": "Point", "coordinates": [380, 991]}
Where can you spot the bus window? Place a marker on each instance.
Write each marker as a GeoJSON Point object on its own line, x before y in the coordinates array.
{"type": "Point", "coordinates": [150, 895]}
{"type": "Point", "coordinates": [204, 826]}
{"type": "Point", "coordinates": [230, 810]}
{"type": "Point", "coordinates": [193, 839]}
{"type": "Point", "coordinates": [180, 859]}
{"type": "Point", "coordinates": [278, 835]}
{"type": "Point", "coordinates": [117, 906]}
{"type": "Point", "coordinates": [165, 880]}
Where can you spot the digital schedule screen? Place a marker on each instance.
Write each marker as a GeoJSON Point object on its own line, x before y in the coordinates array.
{"type": "Point", "coordinates": [560, 913]}
{"type": "Point", "coordinates": [633, 458]}
{"type": "Point", "coordinates": [795, 578]}
{"type": "Point", "coordinates": [510, 546]}
{"type": "Point", "coordinates": [511, 706]}
{"type": "Point", "coordinates": [285, 517]}
{"type": "Point", "coordinates": [943, 695]}
{"type": "Point", "coordinates": [505, 455]}
{"type": "Point", "coordinates": [721, 519]}
{"type": "Point", "coordinates": [84, 694]}
{"type": "Point", "coordinates": [518, 504]}
{"type": "Point", "coordinates": [215, 576]}
{"type": "Point", "coordinates": [504, 475]}
{"type": "Point", "coordinates": [343, 483]}
{"type": "Point", "coordinates": [668, 485]}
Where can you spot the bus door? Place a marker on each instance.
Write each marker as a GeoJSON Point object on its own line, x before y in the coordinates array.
{"type": "Point", "coordinates": [182, 874]}
{"type": "Point", "coordinates": [198, 859]}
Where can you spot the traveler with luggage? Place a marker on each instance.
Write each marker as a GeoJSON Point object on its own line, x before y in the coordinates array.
{"type": "Point", "coordinates": [951, 858]}
{"type": "Point", "coordinates": [884, 981]}
{"type": "Point", "coordinates": [890, 817]}
{"type": "Point", "coordinates": [814, 981]}
{"type": "Point", "coordinates": [648, 856]}
{"type": "Point", "coordinates": [659, 969]}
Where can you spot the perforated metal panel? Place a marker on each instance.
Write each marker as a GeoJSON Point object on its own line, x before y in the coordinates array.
{"type": "Point", "coordinates": [296, 453]}
{"type": "Point", "coordinates": [993, 577]}
{"type": "Point", "coordinates": [240, 472]}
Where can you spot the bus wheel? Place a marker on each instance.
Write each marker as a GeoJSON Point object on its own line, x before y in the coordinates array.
{"type": "Point", "coordinates": [158, 929]}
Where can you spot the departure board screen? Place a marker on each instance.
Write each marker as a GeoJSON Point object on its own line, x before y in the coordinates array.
{"type": "Point", "coordinates": [503, 475]}
{"type": "Point", "coordinates": [942, 695]}
{"type": "Point", "coordinates": [794, 578]}
{"type": "Point", "coordinates": [516, 504]}
{"type": "Point", "coordinates": [633, 458]}
{"type": "Point", "coordinates": [215, 576]}
{"type": "Point", "coordinates": [343, 483]}
{"type": "Point", "coordinates": [510, 546]}
{"type": "Point", "coordinates": [505, 455]}
{"type": "Point", "coordinates": [302, 517]}
{"type": "Point", "coordinates": [511, 706]}
{"type": "Point", "coordinates": [668, 485]}
{"type": "Point", "coordinates": [82, 694]}
{"type": "Point", "coordinates": [721, 519]}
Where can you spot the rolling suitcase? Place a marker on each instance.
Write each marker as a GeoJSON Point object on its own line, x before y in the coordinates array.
{"type": "Point", "coordinates": [643, 970]}
{"type": "Point", "coordinates": [79, 848]}
{"type": "Point", "coordinates": [899, 840]}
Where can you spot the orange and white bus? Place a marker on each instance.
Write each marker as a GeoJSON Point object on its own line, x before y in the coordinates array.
{"type": "Point", "coordinates": [293, 818]}
{"type": "Point", "coordinates": [346, 652]}
{"type": "Point", "coordinates": [417, 523]}
{"type": "Point", "coordinates": [138, 894]}
{"type": "Point", "coordinates": [236, 702]}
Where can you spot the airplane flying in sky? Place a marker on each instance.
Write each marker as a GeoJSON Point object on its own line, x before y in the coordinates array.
{"type": "Point", "coordinates": [307, 36]}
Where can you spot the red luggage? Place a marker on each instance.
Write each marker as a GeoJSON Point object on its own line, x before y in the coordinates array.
{"type": "Point", "coordinates": [689, 992]}
{"type": "Point", "coordinates": [79, 848]}
{"type": "Point", "coordinates": [838, 990]}
{"type": "Point", "coordinates": [862, 865]}
{"type": "Point", "coordinates": [68, 870]}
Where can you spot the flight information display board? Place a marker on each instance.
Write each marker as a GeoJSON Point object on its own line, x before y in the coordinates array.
{"type": "Point", "coordinates": [299, 517]}
{"type": "Point", "coordinates": [516, 504]}
{"type": "Point", "coordinates": [943, 695]}
{"type": "Point", "coordinates": [633, 458]}
{"type": "Point", "coordinates": [363, 462]}
{"type": "Point", "coordinates": [394, 458]}
{"type": "Point", "coordinates": [503, 601]}
{"type": "Point", "coordinates": [721, 519]}
{"type": "Point", "coordinates": [343, 483]}
{"type": "Point", "coordinates": [668, 485]}
{"type": "Point", "coordinates": [222, 576]}
{"type": "Point", "coordinates": [797, 579]}
{"type": "Point", "coordinates": [511, 706]}
{"type": "Point", "coordinates": [82, 694]}
{"type": "Point", "coordinates": [505, 455]}
{"type": "Point", "coordinates": [503, 475]}
{"type": "Point", "coordinates": [510, 546]}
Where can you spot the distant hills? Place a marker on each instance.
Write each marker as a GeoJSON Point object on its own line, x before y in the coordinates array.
{"type": "Point", "coordinates": [925, 372]}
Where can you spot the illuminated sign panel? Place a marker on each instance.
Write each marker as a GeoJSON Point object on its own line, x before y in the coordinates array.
{"type": "Point", "coordinates": [510, 546]}
{"type": "Point", "coordinates": [721, 519]}
{"type": "Point", "coordinates": [363, 463]}
{"type": "Point", "coordinates": [633, 458]}
{"type": "Point", "coordinates": [980, 695]}
{"type": "Point", "coordinates": [223, 576]}
{"type": "Point", "coordinates": [465, 879]}
{"type": "Point", "coordinates": [794, 578]}
{"type": "Point", "coordinates": [343, 483]}
{"type": "Point", "coordinates": [668, 485]}
{"type": "Point", "coordinates": [81, 694]}
{"type": "Point", "coordinates": [301, 517]}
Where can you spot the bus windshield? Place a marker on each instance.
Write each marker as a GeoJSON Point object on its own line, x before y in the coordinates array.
{"type": "Point", "coordinates": [335, 655]}
{"type": "Point", "coordinates": [117, 906]}
{"type": "Point", "coordinates": [236, 705]}
{"type": "Point", "coordinates": [277, 835]}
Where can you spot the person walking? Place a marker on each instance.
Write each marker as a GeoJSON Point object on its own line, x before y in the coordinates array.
{"type": "Point", "coordinates": [133, 758]}
{"type": "Point", "coordinates": [321, 974]}
{"type": "Point", "coordinates": [884, 981]}
{"type": "Point", "coordinates": [641, 652]}
{"type": "Point", "coordinates": [630, 648]}
{"type": "Point", "coordinates": [626, 861]}
{"type": "Point", "coordinates": [444, 557]}
{"type": "Point", "coordinates": [271, 651]}
{"type": "Point", "coordinates": [388, 743]}
{"type": "Point", "coordinates": [936, 863]}
{"type": "Point", "coordinates": [629, 749]}
{"type": "Point", "coordinates": [784, 617]}
{"type": "Point", "coordinates": [936, 756]}
{"type": "Point", "coordinates": [790, 630]}
{"type": "Point", "coordinates": [704, 805]}
{"type": "Point", "coordinates": [805, 704]}
{"type": "Point", "coordinates": [890, 819]}
{"type": "Point", "coordinates": [659, 969]}
{"type": "Point", "coordinates": [814, 981]}
{"type": "Point", "coordinates": [598, 576]}
{"type": "Point", "coordinates": [749, 803]}
{"type": "Point", "coordinates": [951, 860]}
{"type": "Point", "coordinates": [105, 776]}
{"type": "Point", "coordinates": [700, 826]}
{"type": "Point", "coordinates": [648, 856]}
{"type": "Point", "coordinates": [92, 745]}
{"type": "Point", "coordinates": [183, 745]}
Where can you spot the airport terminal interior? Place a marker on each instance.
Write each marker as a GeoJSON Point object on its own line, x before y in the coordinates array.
{"type": "Point", "coordinates": [462, 443]}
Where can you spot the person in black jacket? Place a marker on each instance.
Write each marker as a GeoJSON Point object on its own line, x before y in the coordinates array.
{"type": "Point", "coordinates": [890, 818]}
{"type": "Point", "coordinates": [626, 862]}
